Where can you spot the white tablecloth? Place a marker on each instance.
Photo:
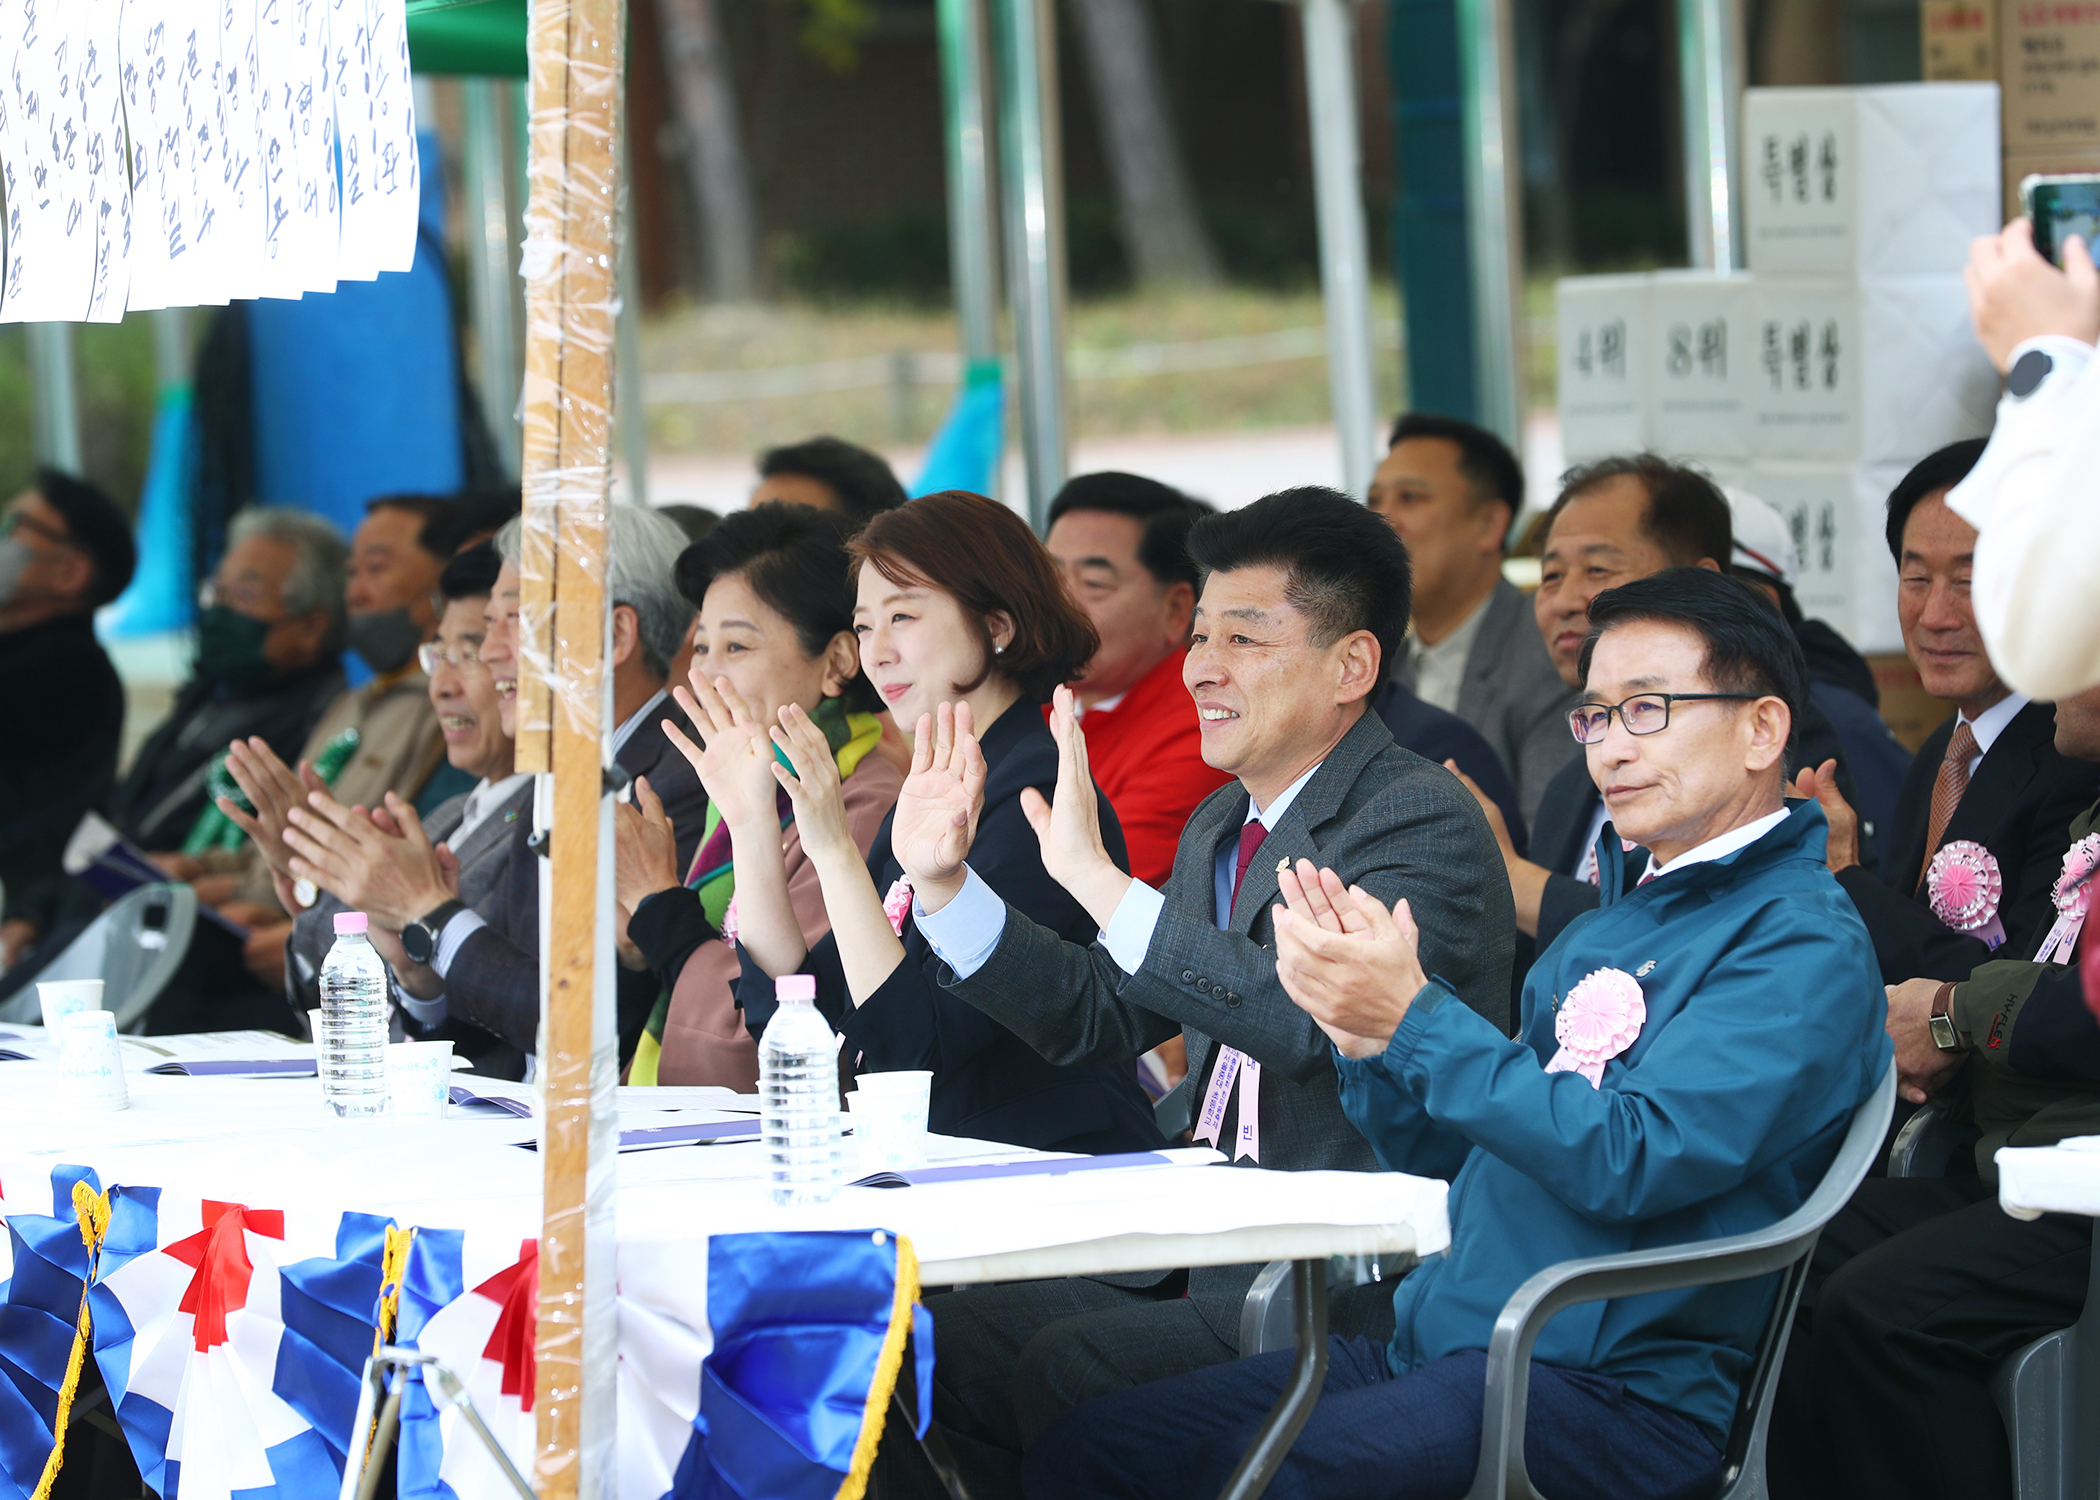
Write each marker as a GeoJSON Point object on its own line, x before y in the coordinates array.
{"type": "Point", "coordinates": [271, 1143]}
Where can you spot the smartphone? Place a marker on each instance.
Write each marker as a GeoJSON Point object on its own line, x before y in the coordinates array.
{"type": "Point", "coordinates": [2059, 207]}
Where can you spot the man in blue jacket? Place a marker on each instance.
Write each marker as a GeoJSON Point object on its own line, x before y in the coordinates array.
{"type": "Point", "coordinates": [1691, 1055]}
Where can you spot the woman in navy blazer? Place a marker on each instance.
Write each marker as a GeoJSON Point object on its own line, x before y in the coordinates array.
{"type": "Point", "coordinates": [962, 619]}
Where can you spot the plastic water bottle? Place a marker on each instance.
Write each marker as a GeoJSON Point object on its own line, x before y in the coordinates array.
{"type": "Point", "coordinates": [798, 1071]}
{"type": "Point", "coordinates": [353, 1035]}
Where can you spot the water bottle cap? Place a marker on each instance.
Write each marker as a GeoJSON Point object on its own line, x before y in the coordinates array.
{"type": "Point", "coordinates": [795, 987]}
{"type": "Point", "coordinates": [349, 921]}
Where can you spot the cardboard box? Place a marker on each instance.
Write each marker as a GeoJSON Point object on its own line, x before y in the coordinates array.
{"type": "Point", "coordinates": [1910, 712]}
{"type": "Point", "coordinates": [1959, 40]}
{"type": "Point", "coordinates": [1697, 357]}
{"type": "Point", "coordinates": [2049, 65]}
{"type": "Point", "coordinates": [2018, 168]}
{"type": "Point", "coordinates": [1880, 371]}
{"type": "Point", "coordinates": [1890, 180]}
{"type": "Point", "coordinates": [1603, 331]}
{"type": "Point", "coordinates": [1836, 514]}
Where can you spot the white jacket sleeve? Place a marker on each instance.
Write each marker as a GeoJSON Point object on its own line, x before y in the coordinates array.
{"type": "Point", "coordinates": [2035, 498]}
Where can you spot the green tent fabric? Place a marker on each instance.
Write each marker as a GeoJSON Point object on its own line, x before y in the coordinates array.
{"type": "Point", "coordinates": [482, 38]}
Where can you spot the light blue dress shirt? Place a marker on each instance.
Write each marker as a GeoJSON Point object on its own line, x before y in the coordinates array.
{"type": "Point", "coordinates": [965, 931]}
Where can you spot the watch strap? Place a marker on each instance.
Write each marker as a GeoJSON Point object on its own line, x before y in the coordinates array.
{"type": "Point", "coordinates": [428, 928]}
{"type": "Point", "coordinates": [1941, 1022]}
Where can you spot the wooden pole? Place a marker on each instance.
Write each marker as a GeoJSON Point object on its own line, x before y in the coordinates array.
{"type": "Point", "coordinates": [564, 692]}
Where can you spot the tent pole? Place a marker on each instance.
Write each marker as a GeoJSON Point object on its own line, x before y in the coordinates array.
{"type": "Point", "coordinates": [1345, 274]}
{"type": "Point", "coordinates": [1494, 226]}
{"type": "Point", "coordinates": [56, 398]}
{"type": "Point", "coordinates": [630, 411]}
{"type": "Point", "coordinates": [972, 223]}
{"type": "Point", "coordinates": [1710, 81]}
{"type": "Point", "coordinates": [574, 47]}
{"type": "Point", "coordinates": [491, 273]}
{"type": "Point", "coordinates": [1032, 183]}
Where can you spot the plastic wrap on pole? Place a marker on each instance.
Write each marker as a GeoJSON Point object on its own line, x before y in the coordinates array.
{"type": "Point", "coordinates": [571, 307]}
{"type": "Point", "coordinates": [571, 304]}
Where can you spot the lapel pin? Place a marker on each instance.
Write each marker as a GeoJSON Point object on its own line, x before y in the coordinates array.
{"type": "Point", "coordinates": [1644, 970]}
{"type": "Point", "coordinates": [1283, 864]}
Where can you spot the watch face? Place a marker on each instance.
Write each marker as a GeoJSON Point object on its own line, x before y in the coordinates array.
{"type": "Point", "coordinates": [1944, 1036]}
{"type": "Point", "coordinates": [2028, 372]}
{"type": "Point", "coordinates": [416, 941]}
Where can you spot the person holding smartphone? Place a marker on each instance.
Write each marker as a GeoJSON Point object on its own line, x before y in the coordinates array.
{"type": "Point", "coordinates": [2036, 583]}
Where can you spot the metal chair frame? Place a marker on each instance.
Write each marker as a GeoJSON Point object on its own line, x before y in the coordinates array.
{"type": "Point", "coordinates": [1785, 1247]}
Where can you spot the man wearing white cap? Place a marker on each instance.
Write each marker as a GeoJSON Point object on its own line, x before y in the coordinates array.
{"type": "Point", "coordinates": [1840, 681]}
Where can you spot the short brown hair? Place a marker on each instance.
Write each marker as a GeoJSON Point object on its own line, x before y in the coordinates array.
{"type": "Point", "coordinates": [985, 556]}
{"type": "Point", "coordinates": [1687, 517]}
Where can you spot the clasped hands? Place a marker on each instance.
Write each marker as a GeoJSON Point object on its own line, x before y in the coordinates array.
{"type": "Point", "coordinates": [1344, 959]}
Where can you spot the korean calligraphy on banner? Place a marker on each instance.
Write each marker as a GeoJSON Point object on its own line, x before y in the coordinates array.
{"type": "Point", "coordinates": [177, 153]}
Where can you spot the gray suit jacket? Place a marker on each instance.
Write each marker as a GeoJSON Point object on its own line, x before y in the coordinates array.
{"type": "Point", "coordinates": [481, 860]}
{"type": "Point", "coordinates": [1513, 695]}
{"type": "Point", "coordinates": [1380, 817]}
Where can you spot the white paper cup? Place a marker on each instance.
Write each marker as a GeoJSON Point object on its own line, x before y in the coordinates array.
{"type": "Point", "coordinates": [90, 1068]}
{"type": "Point", "coordinates": [66, 997]}
{"type": "Point", "coordinates": [917, 1084]}
{"type": "Point", "coordinates": [890, 1126]}
{"type": "Point", "coordinates": [419, 1075]}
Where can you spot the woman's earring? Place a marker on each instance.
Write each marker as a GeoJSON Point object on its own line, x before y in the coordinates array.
{"type": "Point", "coordinates": [998, 651]}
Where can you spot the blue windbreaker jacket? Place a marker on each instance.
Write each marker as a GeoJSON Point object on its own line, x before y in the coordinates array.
{"type": "Point", "coordinates": [1764, 1033]}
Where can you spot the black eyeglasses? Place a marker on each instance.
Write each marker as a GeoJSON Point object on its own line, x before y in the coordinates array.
{"type": "Point", "coordinates": [1643, 713]}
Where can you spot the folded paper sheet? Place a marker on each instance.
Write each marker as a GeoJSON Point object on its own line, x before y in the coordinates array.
{"type": "Point", "coordinates": [176, 153]}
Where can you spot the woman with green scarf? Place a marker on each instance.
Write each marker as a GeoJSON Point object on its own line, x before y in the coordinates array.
{"type": "Point", "coordinates": [776, 628]}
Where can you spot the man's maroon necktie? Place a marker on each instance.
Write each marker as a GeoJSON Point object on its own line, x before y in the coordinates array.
{"type": "Point", "coordinates": [1252, 832]}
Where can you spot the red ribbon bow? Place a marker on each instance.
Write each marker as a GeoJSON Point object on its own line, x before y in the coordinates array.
{"type": "Point", "coordinates": [219, 1254]}
{"type": "Point", "coordinates": [511, 1340]}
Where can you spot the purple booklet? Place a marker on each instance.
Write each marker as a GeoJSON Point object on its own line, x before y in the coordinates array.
{"type": "Point", "coordinates": [1057, 1167]}
{"type": "Point", "coordinates": [658, 1137]}
{"type": "Point", "coordinates": [654, 1137]}
{"type": "Point", "coordinates": [229, 1067]}
{"type": "Point", "coordinates": [522, 1108]}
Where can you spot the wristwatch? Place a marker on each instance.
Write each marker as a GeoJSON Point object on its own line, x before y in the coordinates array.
{"type": "Point", "coordinates": [1940, 1024]}
{"type": "Point", "coordinates": [419, 939]}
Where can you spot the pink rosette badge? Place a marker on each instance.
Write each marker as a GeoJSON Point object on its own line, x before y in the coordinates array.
{"type": "Point", "coordinates": [2074, 890]}
{"type": "Point", "coordinates": [1964, 886]}
{"type": "Point", "coordinates": [897, 904]}
{"type": "Point", "coordinates": [729, 922]}
{"type": "Point", "coordinates": [1599, 1020]}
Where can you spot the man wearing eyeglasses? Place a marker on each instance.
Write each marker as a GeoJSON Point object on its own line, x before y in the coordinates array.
{"type": "Point", "coordinates": [1690, 1056]}
{"type": "Point", "coordinates": [476, 827]}
{"type": "Point", "coordinates": [65, 549]}
{"type": "Point", "coordinates": [1616, 521]}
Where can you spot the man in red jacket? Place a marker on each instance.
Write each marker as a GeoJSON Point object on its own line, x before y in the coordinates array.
{"type": "Point", "coordinates": [1120, 541]}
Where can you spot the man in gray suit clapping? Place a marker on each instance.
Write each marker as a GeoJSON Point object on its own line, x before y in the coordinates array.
{"type": "Point", "coordinates": [1304, 602]}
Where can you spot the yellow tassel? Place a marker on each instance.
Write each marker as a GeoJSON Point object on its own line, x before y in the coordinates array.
{"type": "Point", "coordinates": [92, 1210]}
{"type": "Point", "coordinates": [887, 1365]}
{"type": "Point", "coordinates": [393, 1266]}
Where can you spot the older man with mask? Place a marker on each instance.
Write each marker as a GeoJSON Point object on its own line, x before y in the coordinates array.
{"type": "Point", "coordinates": [1304, 596]}
{"type": "Point", "coordinates": [479, 964]}
{"type": "Point", "coordinates": [1737, 990]}
{"type": "Point", "coordinates": [272, 623]}
{"type": "Point", "coordinates": [1452, 490]}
